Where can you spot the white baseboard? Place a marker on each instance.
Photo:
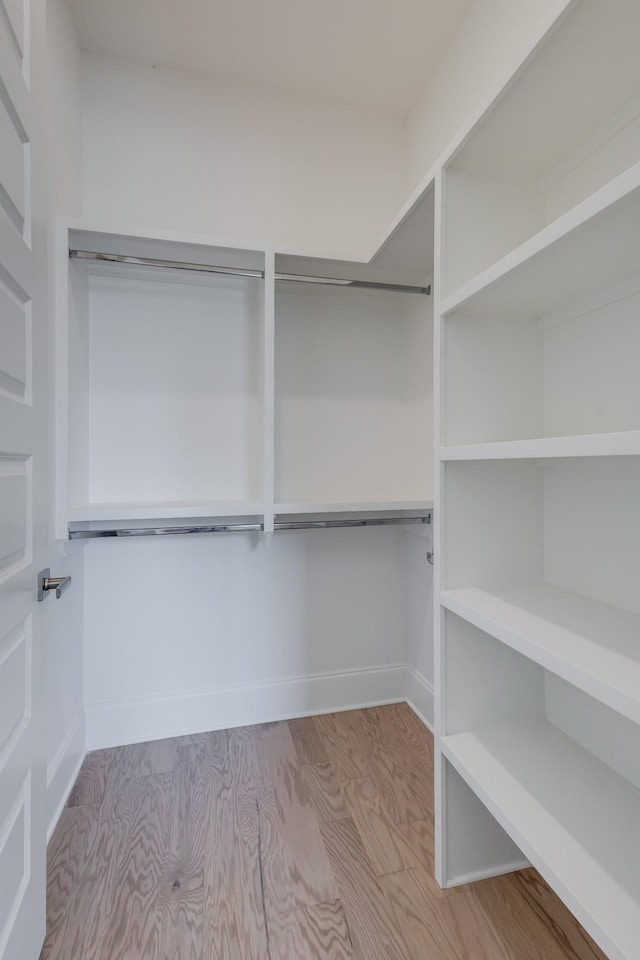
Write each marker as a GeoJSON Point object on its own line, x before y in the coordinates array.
{"type": "Point", "coordinates": [520, 864]}
{"type": "Point", "coordinates": [420, 696]}
{"type": "Point", "coordinates": [118, 722]}
{"type": "Point", "coordinates": [63, 771]}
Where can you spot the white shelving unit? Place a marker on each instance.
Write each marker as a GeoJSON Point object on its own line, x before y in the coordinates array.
{"type": "Point", "coordinates": [537, 477]}
{"type": "Point", "coordinates": [567, 125]}
{"type": "Point", "coordinates": [545, 340]}
{"type": "Point", "coordinates": [192, 395]}
{"type": "Point", "coordinates": [161, 375]}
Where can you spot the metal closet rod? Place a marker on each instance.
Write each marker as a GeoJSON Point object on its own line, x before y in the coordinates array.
{"type": "Point", "coordinates": [355, 284]}
{"type": "Point", "coordinates": [243, 527]}
{"type": "Point", "coordinates": [242, 272]}
{"type": "Point", "coordinates": [167, 264]}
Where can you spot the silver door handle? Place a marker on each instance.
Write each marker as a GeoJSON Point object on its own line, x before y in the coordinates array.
{"type": "Point", "coordinates": [46, 583]}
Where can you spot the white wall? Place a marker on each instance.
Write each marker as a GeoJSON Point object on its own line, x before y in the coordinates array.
{"type": "Point", "coordinates": [418, 581]}
{"type": "Point", "coordinates": [64, 117]}
{"type": "Point", "coordinates": [64, 617]}
{"type": "Point", "coordinates": [175, 150]}
{"type": "Point", "coordinates": [491, 41]}
{"type": "Point", "coordinates": [170, 149]}
{"type": "Point", "coordinates": [195, 633]}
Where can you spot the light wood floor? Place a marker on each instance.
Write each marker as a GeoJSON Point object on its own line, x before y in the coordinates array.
{"type": "Point", "coordinates": [288, 841]}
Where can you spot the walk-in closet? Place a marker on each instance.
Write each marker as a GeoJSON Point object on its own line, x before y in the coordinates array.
{"type": "Point", "coordinates": [319, 473]}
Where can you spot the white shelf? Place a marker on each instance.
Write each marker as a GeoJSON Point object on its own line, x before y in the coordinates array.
{"type": "Point", "coordinates": [576, 820]}
{"type": "Point", "coordinates": [404, 254]}
{"type": "Point", "coordinates": [625, 443]}
{"type": "Point", "coordinates": [161, 244]}
{"type": "Point", "coordinates": [593, 246]}
{"type": "Point", "coordinates": [590, 644]}
{"type": "Point", "coordinates": [165, 511]}
{"type": "Point", "coordinates": [234, 508]}
{"type": "Point", "coordinates": [350, 506]}
{"type": "Point", "coordinates": [540, 276]}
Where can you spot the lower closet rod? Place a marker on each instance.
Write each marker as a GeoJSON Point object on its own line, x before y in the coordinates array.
{"type": "Point", "coordinates": [364, 522]}
{"type": "Point", "coordinates": [164, 531]}
{"type": "Point", "coordinates": [243, 527]}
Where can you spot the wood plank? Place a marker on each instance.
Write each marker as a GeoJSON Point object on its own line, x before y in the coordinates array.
{"type": "Point", "coordinates": [325, 792]}
{"type": "Point", "coordinates": [207, 758]}
{"type": "Point", "coordinates": [374, 933]}
{"type": "Point", "coordinates": [91, 785]}
{"type": "Point", "coordinates": [185, 925]}
{"type": "Point", "coordinates": [233, 883]}
{"type": "Point", "coordinates": [144, 759]}
{"type": "Point", "coordinates": [295, 818]}
{"type": "Point", "coordinates": [419, 837]}
{"type": "Point", "coordinates": [458, 920]}
{"type": "Point", "coordinates": [259, 872]}
{"type": "Point", "coordinates": [405, 785]}
{"type": "Point", "coordinates": [337, 731]}
{"type": "Point", "coordinates": [66, 857]}
{"type": "Point", "coordinates": [526, 932]}
{"type": "Point", "coordinates": [405, 794]}
{"type": "Point", "coordinates": [386, 849]}
{"type": "Point", "coordinates": [131, 930]}
{"type": "Point", "coordinates": [279, 903]}
{"type": "Point", "coordinates": [406, 738]}
{"type": "Point", "coordinates": [308, 740]}
{"type": "Point", "coordinates": [400, 724]}
{"type": "Point", "coordinates": [80, 932]}
{"type": "Point", "coordinates": [413, 914]}
{"type": "Point", "coordinates": [190, 738]}
{"type": "Point", "coordinates": [325, 931]}
{"type": "Point", "coordinates": [462, 923]}
{"type": "Point", "coordinates": [551, 911]}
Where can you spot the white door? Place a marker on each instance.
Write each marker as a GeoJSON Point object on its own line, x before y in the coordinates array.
{"type": "Point", "coordinates": [23, 487]}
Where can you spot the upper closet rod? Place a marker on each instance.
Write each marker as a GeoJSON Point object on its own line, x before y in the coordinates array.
{"type": "Point", "coordinates": [167, 264]}
{"type": "Point", "coordinates": [252, 527]}
{"type": "Point", "coordinates": [357, 284]}
{"type": "Point", "coordinates": [242, 272]}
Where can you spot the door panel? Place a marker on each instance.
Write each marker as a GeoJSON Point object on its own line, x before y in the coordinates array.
{"type": "Point", "coordinates": [15, 865]}
{"type": "Point", "coordinates": [12, 170]}
{"type": "Point", "coordinates": [14, 522]}
{"type": "Point", "coordinates": [14, 337]}
{"type": "Point", "coordinates": [15, 686]}
{"type": "Point", "coordinates": [23, 490]}
{"type": "Point", "coordinates": [13, 13]}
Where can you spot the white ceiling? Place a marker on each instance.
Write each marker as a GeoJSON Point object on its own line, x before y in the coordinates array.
{"type": "Point", "coordinates": [371, 53]}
